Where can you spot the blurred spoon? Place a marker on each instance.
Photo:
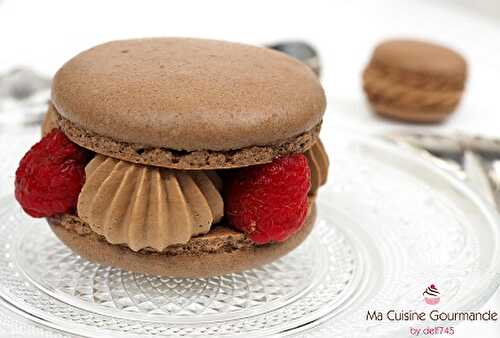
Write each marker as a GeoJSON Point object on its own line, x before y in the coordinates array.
{"type": "Point", "coordinates": [301, 51]}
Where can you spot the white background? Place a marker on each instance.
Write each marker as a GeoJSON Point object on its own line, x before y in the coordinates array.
{"type": "Point", "coordinates": [44, 34]}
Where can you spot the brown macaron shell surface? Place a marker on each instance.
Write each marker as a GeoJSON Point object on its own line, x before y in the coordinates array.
{"type": "Point", "coordinates": [186, 95]}
{"type": "Point", "coordinates": [422, 58]}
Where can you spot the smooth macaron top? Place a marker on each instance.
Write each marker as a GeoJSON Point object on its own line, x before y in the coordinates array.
{"type": "Point", "coordinates": [188, 94]}
{"type": "Point", "coordinates": [421, 58]}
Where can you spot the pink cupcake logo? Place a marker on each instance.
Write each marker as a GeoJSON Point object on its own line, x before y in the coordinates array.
{"type": "Point", "coordinates": [431, 295]}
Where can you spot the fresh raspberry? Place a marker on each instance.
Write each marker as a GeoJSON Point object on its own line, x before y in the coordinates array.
{"type": "Point", "coordinates": [269, 202]}
{"type": "Point", "coordinates": [50, 176]}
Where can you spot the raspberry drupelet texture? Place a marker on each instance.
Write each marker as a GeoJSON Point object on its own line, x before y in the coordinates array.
{"type": "Point", "coordinates": [50, 176]}
{"type": "Point", "coordinates": [269, 202]}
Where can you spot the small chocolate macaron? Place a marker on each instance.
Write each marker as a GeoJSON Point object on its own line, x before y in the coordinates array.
{"type": "Point", "coordinates": [414, 81]}
{"type": "Point", "coordinates": [168, 122]}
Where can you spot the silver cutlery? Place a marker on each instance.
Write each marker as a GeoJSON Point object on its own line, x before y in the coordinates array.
{"type": "Point", "coordinates": [475, 159]}
{"type": "Point", "coordinates": [302, 51]}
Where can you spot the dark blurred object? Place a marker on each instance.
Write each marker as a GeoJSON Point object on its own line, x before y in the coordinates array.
{"type": "Point", "coordinates": [301, 51]}
{"type": "Point", "coordinates": [24, 94]}
{"type": "Point", "coordinates": [21, 83]}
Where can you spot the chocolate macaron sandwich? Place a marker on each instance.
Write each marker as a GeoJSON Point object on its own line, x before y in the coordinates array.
{"type": "Point", "coordinates": [414, 81]}
{"type": "Point", "coordinates": [178, 157]}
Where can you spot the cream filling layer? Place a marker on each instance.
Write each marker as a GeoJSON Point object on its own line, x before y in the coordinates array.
{"type": "Point", "coordinates": [148, 207]}
{"type": "Point", "coordinates": [318, 163]}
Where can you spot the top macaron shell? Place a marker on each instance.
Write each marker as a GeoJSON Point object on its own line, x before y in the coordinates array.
{"type": "Point", "coordinates": [424, 58]}
{"type": "Point", "coordinates": [188, 94]}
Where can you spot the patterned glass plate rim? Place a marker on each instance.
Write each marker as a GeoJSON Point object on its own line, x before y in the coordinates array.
{"type": "Point", "coordinates": [348, 267]}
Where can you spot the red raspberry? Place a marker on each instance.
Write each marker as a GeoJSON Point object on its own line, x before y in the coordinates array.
{"type": "Point", "coordinates": [50, 176]}
{"type": "Point", "coordinates": [269, 202]}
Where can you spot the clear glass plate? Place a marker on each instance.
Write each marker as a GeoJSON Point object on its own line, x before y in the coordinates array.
{"type": "Point", "coordinates": [389, 224]}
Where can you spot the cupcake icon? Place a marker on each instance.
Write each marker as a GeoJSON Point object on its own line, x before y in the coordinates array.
{"type": "Point", "coordinates": [431, 295]}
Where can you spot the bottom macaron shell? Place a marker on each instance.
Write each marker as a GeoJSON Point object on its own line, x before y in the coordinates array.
{"type": "Point", "coordinates": [185, 263]}
{"type": "Point", "coordinates": [407, 115]}
{"type": "Point", "coordinates": [400, 100]}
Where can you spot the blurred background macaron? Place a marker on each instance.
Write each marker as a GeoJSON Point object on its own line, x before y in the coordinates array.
{"type": "Point", "coordinates": [414, 81]}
